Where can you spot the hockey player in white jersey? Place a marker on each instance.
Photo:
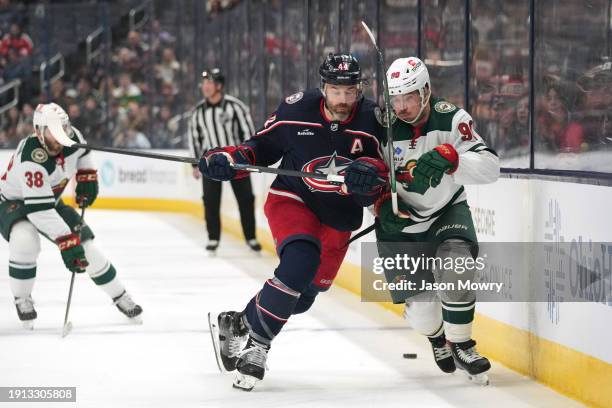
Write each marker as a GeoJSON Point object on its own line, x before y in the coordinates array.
{"type": "Point", "coordinates": [31, 204]}
{"type": "Point", "coordinates": [436, 151]}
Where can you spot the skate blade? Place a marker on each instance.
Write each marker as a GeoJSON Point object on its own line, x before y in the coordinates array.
{"type": "Point", "coordinates": [28, 324]}
{"type": "Point", "coordinates": [214, 335]}
{"type": "Point", "coordinates": [481, 379]}
{"type": "Point", "coordinates": [212, 254]}
{"type": "Point", "coordinates": [136, 320]}
{"type": "Point", "coordinates": [244, 382]}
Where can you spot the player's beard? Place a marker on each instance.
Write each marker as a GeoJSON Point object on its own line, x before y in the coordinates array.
{"type": "Point", "coordinates": [340, 111]}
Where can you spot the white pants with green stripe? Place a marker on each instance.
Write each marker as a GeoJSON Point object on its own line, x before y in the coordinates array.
{"type": "Point", "coordinates": [24, 247]}
{"type": "Point", "coordinates": [452, 313]}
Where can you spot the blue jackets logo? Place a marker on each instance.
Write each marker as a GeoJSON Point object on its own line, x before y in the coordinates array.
{"type": "Point", "coordinates": [333, 164]}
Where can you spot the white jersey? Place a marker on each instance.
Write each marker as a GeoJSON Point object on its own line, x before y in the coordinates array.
{"type": "Point", "coordinates": [38, 180]}
{"type": "Point", "coordinates": [477, 163]}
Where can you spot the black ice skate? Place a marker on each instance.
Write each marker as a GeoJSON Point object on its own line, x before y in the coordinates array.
{"type": "Point", "coordinates": [251, 365]}
{"type": "Point", "coordinates": [468, 360]}
{"type": "Point", "coordinates": [442, 353]}
{"type": "Point", "coordinates": [254, 245]}
{"type": "Point", "coordinates": [26, 312]}
{"type": "Point", "coordinates": [211, 247]}
{"type": "Point", "coordinates": [228, 334]}
{"type": "Point", "coordinates": [126, 305]}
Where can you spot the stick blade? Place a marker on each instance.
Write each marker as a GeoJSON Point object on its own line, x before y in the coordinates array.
{"type": "Point", "coordinates": [370, 34]}
{"type": "Point", "coordinates": [67, 329]}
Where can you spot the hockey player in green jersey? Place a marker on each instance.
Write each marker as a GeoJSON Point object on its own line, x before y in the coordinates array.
{"type": "Point", "coordinates": [436, 151]}
{"type": "Point", "coordinates": [30, 203]}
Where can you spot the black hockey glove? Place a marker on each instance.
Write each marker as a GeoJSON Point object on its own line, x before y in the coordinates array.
{"type": "Point", "coordinates": [366, 176]}
{"type": "Point", "coordinates": [216, 163]}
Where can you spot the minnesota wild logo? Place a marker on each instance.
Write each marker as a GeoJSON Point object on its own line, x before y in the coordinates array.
{"type": "Point", "coordinates": [404, 175]}
{"type": "Point", "coordinates": [39, 155]}
{"type": "Point", "coordinates": [444, 107]}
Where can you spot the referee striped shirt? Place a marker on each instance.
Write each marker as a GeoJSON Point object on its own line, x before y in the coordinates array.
{"type": "Point", "coordinates": [226, 123]}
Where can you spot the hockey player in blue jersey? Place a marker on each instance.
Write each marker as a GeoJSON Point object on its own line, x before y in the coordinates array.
{"type": "Point", "coordinates": [330, 130]}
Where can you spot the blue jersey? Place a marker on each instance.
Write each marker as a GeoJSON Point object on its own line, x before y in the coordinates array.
{"type": "Point", "coordinates": [300, 134]}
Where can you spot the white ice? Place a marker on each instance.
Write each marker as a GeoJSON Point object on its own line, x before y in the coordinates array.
{"type": "Point", "coordinates": [341, 353]}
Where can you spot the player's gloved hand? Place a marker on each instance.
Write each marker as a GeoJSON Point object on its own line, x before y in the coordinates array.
{"type": "Point", "coordinates": [72, 252]}
{"type": "Point", "coordinates": [388, 221]}
{"type": "Point", "coordinates": [87, 187]}
{"type": "Point", "coordinates": [366, 176]}
{"type": "Point", "coordinates": [216, 163]}
{"type": "Point", "coordinates": [431, 167]}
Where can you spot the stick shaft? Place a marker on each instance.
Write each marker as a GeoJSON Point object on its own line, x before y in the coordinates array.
{"type": "Point", "coordinates": [386, 98]}
{"type": "Point", "coordinates": [292, 173]}
{"type": "Point", "coordinates": [72, 277]}
{"type": "Point", "coordinates": [191, 160]}
{"type": "Point", "coordinates": [137, 153]}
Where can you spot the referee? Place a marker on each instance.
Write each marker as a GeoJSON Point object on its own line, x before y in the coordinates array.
{"type": "Point", "coordinates": [222, 120]}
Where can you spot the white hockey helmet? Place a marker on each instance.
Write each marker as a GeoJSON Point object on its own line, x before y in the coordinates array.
{"type": "Point", "coordinates": [406, 75]}
{"type": "Point", "coordinates": [52, 116]}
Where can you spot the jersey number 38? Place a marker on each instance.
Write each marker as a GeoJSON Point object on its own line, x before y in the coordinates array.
{"type": "Point", "coordinates": [34, 179]}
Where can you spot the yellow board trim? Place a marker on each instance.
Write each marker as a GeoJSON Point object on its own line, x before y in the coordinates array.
{"type": "Point", "coordinates": [570, 372]}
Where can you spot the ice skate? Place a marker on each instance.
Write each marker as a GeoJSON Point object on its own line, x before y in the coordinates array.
{"type": "Point", "coordinates": [211, 247]}
{"type": "Point", "coordinates": [26, 312]}
{"type": "Point", "coordinates": [128, 307]}
{"type": "Point", "coordinates": [443, 354]}
{"type": "Point", "coordinates": [468, 360]}
{"type": "Point", "coordinates": [251, 365]}
{"type": "Point", "coordinates": [229, 335]}
{"type": "Point", "coordinates": [254, 246]}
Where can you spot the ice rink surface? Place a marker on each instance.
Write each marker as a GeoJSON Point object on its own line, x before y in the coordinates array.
{"type": "Point", "coordinates": [341, 353]}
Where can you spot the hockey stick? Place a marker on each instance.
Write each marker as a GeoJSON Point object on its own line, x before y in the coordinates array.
{"type": "Point", "coordinates": [68, 325]}
{"type": "Point", "coordinates": [246, 167]}
{"type": "Point", "coordinates": [390, 150]}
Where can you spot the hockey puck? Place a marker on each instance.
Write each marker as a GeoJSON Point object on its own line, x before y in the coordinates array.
{"type": "Point", "coordinates": [410, 356]}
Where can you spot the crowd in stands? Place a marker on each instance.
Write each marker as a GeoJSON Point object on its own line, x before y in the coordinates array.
{"type": "Point", "coordinates": [140, 101]}
{"type": "Point", "coordinates": [138, 104]}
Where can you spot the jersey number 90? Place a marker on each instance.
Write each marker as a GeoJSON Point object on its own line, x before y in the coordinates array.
{"type": "Point", "coordinates": [466, 130]}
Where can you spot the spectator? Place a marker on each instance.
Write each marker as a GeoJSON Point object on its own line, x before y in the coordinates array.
{"type": "Point", "coordinates": [86, 91]}
{"type": "Point", "coordinates": [168, 69]}
{"type": "Point", "coordinates": [24, 126]}
{"type": "Point", "coordinates": [555, 133]}
{"type": "Point", "coordinates": [164, 128]}
{"type": "Point", "coordinates": [168, 96]}
{"type": "Point", "coordinates": [94, 117]}
{"type": "Point", "coordinates": [594, 104]}
{"type": "Point", "coordinates": [128, 61]}
{"type": "Point", "coordinates": [159, 38]}
{"type": "Point", "coordinates": [131, 139]}
{"type": "Point", "coordinates": [127, 91]}
{"type": "Point", "coordinates": [17, 40]}
{"type": "Point", "coordinates": [74, 113]}
{"type": "Point", "coordinates": [19, 67]}
{"type": "Point", "coordinates": [135, 44]}
{"type": "Point", "coordinates": [58, 92]}
{"type": "Point", "coordinates": [10, 121]}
